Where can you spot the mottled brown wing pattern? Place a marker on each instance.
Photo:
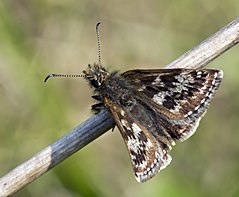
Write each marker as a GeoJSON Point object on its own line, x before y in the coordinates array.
{"type": "Point", "coordinates": [181, 95]}
{"type": "Point", "coordinates": [148, 155]}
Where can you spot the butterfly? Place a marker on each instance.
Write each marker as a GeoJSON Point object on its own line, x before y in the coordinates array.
{"type": "Point", "coordinates": [152, 108]}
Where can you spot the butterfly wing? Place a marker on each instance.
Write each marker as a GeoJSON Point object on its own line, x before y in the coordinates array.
{"type": "Point", "coordinates": [148, 154]}
{"type": "Point", "coordinates": [180, 96]}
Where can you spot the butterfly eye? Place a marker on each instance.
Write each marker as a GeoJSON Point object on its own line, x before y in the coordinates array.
{"type": "Point", "coordinates": [95, 83]}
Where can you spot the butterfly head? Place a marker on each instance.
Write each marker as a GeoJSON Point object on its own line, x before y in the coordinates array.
{"type": "Point", "coordinates": [96, 75]}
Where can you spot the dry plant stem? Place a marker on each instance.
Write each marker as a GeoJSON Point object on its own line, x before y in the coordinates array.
{"type": "Point", "coordinates": [98, 124]}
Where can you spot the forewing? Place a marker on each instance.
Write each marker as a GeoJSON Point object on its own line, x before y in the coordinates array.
{"type": "Point", "coordinates": [148, 155]}
{"type": "Point", "coordinates": [180, 95]}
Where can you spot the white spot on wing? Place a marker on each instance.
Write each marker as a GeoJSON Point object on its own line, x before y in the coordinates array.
{"type": "Point", "coordinates": [159, 98]}
{"type": "Point", "coordinates": [142, 88]}
{"type": "Point", "coordinates": [156, 81]}
{"type": "Point", "coordinates": [122, 112]}
{"type": "Point", "coordinates": [192, 130]}
{"type": "Point", "coordinates": [136, 129]}
{"type": "Point", "coordinates": [133, 144]}
{"type": "Point", "coordinates": [125, 124]}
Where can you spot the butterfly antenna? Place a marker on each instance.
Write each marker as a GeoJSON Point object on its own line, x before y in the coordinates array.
{"type": "Point", "coordinates": [99, 56]}
{"type": "Point", "coordinates": [98, 41]}
{"type": "Point", "coordinates": [61, 75]}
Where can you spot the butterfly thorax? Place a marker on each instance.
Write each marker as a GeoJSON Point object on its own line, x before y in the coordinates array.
{"type": "Point", "coordinates": [109, 85]}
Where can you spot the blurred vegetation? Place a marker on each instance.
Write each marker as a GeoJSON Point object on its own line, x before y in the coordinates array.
{"type": "Point", "coordinates": [50, 36]}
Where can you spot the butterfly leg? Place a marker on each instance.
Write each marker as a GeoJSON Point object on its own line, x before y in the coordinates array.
{"type": "Point", "coordinates": [97, 107]}
{"type": "Point", "coordinates": [97, 97]}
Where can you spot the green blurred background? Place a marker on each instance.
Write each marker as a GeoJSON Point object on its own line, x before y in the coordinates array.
{"type": "Point", "coordinates": [51, 36]}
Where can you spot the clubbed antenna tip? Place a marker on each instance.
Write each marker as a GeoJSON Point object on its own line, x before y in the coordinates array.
{"type": "Point", "coordinates": [97, 25]}
{"type": "Point", "coordinates": [48, 77]}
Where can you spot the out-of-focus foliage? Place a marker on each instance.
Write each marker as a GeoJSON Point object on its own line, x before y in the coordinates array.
{"type": "Point", "coordinates": [50, 36]}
